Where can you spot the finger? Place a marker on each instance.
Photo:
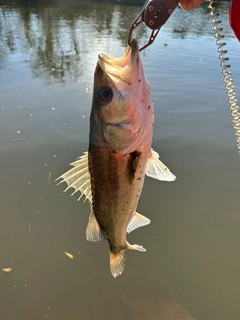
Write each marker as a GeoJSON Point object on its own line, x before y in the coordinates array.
{"type": "Point", "coordinates": [190, 4]}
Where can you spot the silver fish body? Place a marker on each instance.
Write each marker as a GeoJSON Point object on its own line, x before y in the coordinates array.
{"type": "Point", "coordinates": [111, 174]}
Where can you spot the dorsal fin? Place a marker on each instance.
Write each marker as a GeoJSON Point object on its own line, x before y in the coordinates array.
{"type": "Point", "coordinates": [78, 178]}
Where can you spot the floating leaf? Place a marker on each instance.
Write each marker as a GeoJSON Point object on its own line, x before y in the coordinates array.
{"type": "Point", "coordinates": [69, 255]}
{"type": "Point", "coordinates": [7, 269]}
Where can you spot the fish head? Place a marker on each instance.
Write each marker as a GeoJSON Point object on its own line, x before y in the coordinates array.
{"type": "Point", "coordinates": [122, 111]}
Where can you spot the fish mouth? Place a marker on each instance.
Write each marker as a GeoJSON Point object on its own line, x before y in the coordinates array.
{"type": "Point", "coordinates": [121, 68]}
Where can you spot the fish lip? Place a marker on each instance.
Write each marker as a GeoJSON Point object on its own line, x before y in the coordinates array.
{"type": "Point", "coordinates": [117, 66]}
{"type": "Point", "coordinates": [111, 69]}
{"type": "Point", "coordinates": [134, 47]}
{"type": "Point", "coordinates": [106, 59]}
{"type": "Point", "coordinates": [132, 50]}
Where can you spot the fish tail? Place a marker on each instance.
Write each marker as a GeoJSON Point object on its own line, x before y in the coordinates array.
{"type": "Point", "coordinates": [117, 262]}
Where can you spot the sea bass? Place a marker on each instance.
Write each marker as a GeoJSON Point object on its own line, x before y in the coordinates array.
{"type": "Point", "coordinates": [111, 174]}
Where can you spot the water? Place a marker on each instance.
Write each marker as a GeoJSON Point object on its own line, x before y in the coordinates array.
{"type": "Point", "coordinates": [47, 59]}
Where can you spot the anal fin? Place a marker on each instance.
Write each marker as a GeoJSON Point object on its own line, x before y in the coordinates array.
{"type": "Point", "coordinates": [93, 232]}
{"type": "Point", "coordinates": [137, 221]}
{"type": "Point", "coordinates": [135, 247]}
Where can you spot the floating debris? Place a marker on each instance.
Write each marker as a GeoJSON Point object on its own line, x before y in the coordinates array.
{"type": "Point", "coordinates": [6, 269]}
{"type": "Point", "coordinates": [18, 139]}
{"type": "Point", "coordinates": [29, 227]}
{"type": "Point", "coordinates": [22, 107]}
{"type": "Point", "coordinates": [49, 177]}
{"type": "Point", "coordinates": [69, 255]}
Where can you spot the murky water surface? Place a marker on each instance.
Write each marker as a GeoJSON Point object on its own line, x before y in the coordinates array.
{"type": "Point", "coordinates": [191, 268]}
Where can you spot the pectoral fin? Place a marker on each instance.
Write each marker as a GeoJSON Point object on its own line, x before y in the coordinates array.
{"type": "Point", "coordinates": [137, 221]}
{"type": "Point", "coordinates": [157, 170]}
{"type": "Point", "coordinates": [78, 178]}
{"type": "Point", "coordinates": [136, 162]}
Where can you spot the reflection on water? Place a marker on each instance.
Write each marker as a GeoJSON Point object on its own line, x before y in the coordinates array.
{"type": "Point", "coordinates": [38, 32]}
{"type": "Point", "coordinates": [47, 59]}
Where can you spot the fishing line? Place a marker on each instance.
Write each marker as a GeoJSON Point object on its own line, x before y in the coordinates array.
{"type": "Point", "coordinates": [231, 95]}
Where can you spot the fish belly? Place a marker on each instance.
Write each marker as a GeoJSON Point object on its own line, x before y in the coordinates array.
{"type": "Point", "coordinates": [116, 189]}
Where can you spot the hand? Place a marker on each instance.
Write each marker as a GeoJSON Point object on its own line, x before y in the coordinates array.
{"type": "Point", "coordinates": [190, 4]}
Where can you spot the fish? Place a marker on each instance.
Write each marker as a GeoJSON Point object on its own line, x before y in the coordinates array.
{"type": "Point", "coordinates": [111, 173]}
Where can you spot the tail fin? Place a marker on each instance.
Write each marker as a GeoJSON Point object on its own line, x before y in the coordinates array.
{"type": "Point", "coordinates": [117, 260]}
{"type": "Point", "coordinates": [117, 263]}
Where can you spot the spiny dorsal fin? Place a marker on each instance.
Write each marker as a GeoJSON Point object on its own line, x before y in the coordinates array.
{"type": "Point", "coordinates": [157, 170]}
{"type": "Point", "coordinates": [93, 232]}
{"type": "Point", "coordinates": [137, 221]}
{"type": "Point", "coordinates": [78, 177]}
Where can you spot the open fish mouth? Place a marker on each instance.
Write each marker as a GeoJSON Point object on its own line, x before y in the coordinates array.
{"type": "Point", "coordinates": [121, 68]}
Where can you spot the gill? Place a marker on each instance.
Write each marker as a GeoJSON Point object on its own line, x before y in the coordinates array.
{"type": "Point", "coordinates": [231, 95]}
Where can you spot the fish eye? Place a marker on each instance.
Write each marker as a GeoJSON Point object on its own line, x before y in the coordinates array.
{"type": "Point", "coordinates": [105, 94]}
